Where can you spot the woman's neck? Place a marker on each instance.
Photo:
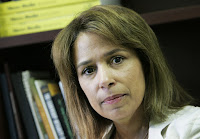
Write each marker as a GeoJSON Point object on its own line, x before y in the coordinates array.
{"type": "Point", "coordinates": [135, 127]}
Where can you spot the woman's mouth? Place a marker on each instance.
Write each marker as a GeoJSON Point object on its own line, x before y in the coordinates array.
{"type": "Point", "coordinates": [113, 99]}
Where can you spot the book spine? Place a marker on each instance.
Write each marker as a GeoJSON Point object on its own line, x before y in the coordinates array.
{"type": "Point", "coordinates": [42, 14]}
{"type": "Point", "coordinates": [15, 108]}
{"type": "Point", "coordinates": [40, 26]}
{"type": "Point", "coordinates": [39, 84]}
{"type": "Point", "coordinates": [3, 120]}
{"type": "Point", "coordinates": [42, 129]}
{"type": "Point", "coordinates": [62, 90]}
{"type": "Point", "coordinates": [13, 7]}
{"type": "Point", "coordinates": [63, 116]}
{"type": "Point", "coordinates": [52, 112]}
{"type": "Point", "coordinates": [60, 108]}
{"type": "Point", "coordinates": [8, 107]}
{"type": "Point", "coordinates": [24, 107]}
{"type": "Point", "coordinates": [41, 109]}
{"type": "Point", "coordinates": [34, 109]}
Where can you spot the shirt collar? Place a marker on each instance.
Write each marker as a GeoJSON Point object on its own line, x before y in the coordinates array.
{"type": "Point", "coordinates": [109, 131]}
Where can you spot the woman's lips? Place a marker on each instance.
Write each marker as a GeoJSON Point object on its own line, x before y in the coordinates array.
{"type": "Point", "coordinates": [113, 99]}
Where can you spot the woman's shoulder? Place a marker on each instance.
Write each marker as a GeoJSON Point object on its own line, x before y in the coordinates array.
{"type": "Point", "coordinates": [184, 123]}
{"type": "Point", "coordinates": [189, 108]}
{"type": "Point", "coordinates": [187, 115]}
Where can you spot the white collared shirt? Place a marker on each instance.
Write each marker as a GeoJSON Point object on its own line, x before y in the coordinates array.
{"type": "Point", "coordinates": [183, 124]}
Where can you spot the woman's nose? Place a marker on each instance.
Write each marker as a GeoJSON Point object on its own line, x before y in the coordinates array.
{"type": "Point", "coordinates": [106, 77]}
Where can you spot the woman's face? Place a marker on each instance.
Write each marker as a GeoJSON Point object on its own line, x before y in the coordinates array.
{"type": "Point", "coordinates": [111, 76]}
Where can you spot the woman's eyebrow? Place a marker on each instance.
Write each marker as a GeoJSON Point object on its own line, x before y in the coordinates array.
{"type": "Point", "coordinates": [113, 52]}
{"type": "Point", "coordinates": [105, 55]}
{"type": "Point", "coordinates": [84, 63]}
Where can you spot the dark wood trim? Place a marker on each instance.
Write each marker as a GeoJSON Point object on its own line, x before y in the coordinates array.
{"type": "Point", "coordinates": [28, 39]}
{"type": "Point", "coordinates": [172, 15]}
{"type": "Point", "coordinates": [152, 18]}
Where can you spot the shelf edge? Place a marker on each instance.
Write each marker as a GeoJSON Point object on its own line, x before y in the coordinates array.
{"type": "Point", "coordinates": [172, 15]}
{"type": "Point", "coordinates": [27, 39]}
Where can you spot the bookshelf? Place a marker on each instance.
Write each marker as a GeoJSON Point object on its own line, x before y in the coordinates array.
{"type": "Point", "coordinates": [177, 30]}
{"type": "Point", "coordinates": [152, 18]}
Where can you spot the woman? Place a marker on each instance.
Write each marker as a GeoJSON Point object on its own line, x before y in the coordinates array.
{"type": "Point", "coordinates": [117, 82]}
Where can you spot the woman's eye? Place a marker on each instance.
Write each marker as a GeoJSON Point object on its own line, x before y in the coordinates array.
{"type": "Point", "coordinates": [117, 60]}
{"type": "Point", "coordinates": [88, 70]}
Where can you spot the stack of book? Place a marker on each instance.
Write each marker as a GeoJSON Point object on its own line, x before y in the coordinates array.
{"type": "Point", "coordinates": [35, 106]}
{"type": "Point", "coordinates": [31, 16]}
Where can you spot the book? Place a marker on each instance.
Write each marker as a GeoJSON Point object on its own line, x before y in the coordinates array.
{"type": "Point", "coordinates": [8, 106]}
{"type": "Point", "coordinates": [15, 107]}
{"type": "Point", "coordinates": [19, 6]}
{"type": "Point", "coordinates": [62, 90]}
{"type": "Point", "coordinates": [39, 23]}
{"type": "Point", "coordinates": [52, 111]}
{"type": "Point", "coordinates": [26, 75]}
{"type": "Point", "coordinates": [60, 108]}
{"type": "Point", "coordinates": [39, 84]}
{"type": "Point", "coordinates": [41, 14]}
{"type": "Point", "coordinates": [40, 124]}
{"type": "Point", "coordinates": [37, 26]}
{"type": "Point", "coordinates": [41, 108]}
{"type": "Point", "coordinates": [24, 106]}
{"type": "Point", "coordinates": [3, 120]}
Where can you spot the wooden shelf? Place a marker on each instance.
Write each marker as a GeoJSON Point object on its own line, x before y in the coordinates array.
{"type": "Point", "coordinates": [172, 15]}
{"type": "Point", "coordinates": [41, 37]}
{"type": "Point", "coordinates": [152, 18]}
